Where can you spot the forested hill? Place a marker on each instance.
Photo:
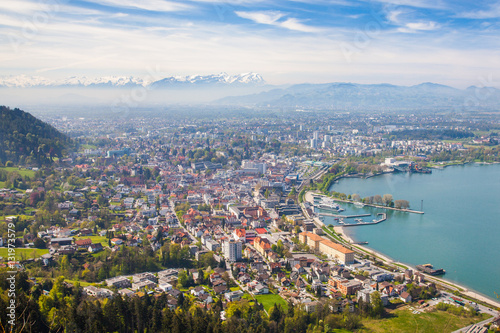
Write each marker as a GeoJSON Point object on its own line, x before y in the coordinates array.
{"type": "Point", "coordinates": [25, 139]}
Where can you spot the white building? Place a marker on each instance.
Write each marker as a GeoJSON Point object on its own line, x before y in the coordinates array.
{"type": "Point", "coordinates": [253, 166]}
{"type": "Point", "coordinates": [232, 250]}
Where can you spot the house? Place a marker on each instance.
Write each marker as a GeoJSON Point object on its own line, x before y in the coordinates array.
{"type": "Point", "coordinates": [233, 295]}
{"type": "Point", "coordinates": [405, 297]}
{"type": "Point", "coordinates": [206, 298]}
{"type": "Point", "coordinates": [119, 282]}
{"type": "Point", "coordinates": [86, 232]}
{"type": "Point", "coordinates": [61, 241]}
{"type": "Point", "coordinates": [198, 291]}
{"type": "Point", "coordinates": [165, 287]}
{"type": "Point", "coordinates": [140, 277]}
{"type": "Point", "coordinates": [93, 248]}
{"type": "Point", "coordinates": [346, 287]}
{"type": "Point", "coordinates": [83, 243]}
{"type": "Point", "coordinates": [285, 282]}
{"type": "Point", "coordinates": [220, 289]}
{"type": "Point", "coordinates": [311, 306]}
{"type": "Point", "coordinates": [126, 292]}
{"type": "Point", "coordinates": [299, 269]}
{"type": "Point", "coordinates": [261, 289]}
{"type": "Point", "coordinates": [97, 292]}
{"type": "Point", "coordinates": [116, 241]}
{"type": "Point", "coordinates": [143, 285]}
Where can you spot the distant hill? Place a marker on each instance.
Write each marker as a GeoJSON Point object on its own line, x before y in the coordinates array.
{"type": "Point", "coordinates": [352, 96]}
{"type": "Point", "coordinates": [25, 139]}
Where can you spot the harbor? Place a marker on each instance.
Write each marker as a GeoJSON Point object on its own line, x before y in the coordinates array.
{"type": "Point", "coordinates": [443, 235]}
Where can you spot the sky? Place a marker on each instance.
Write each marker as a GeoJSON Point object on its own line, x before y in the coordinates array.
{"type": "Point", "coordinates": [365, 41]}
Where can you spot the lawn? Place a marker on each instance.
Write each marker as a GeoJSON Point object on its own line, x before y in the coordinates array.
{"type": "Point", "coordinates": [270, 299]}
{"type": "Point", "coordinates": [20, 252]}
{"type": "Point", "coordinates": [403, 320]}
{"type": "Point", "coordinates": [96, 239]}
{"type": "Point", "coordinates": [22, 172]}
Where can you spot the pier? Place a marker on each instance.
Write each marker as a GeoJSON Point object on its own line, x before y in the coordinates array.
{"type": "Point", "coordinates": [371, 205]}
{"type": "Point", "coordinates": [382, 219]}
{"type": "Point", "coordinates": [345, 216]}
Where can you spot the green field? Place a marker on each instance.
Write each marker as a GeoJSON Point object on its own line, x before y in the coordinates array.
{"type": "Point", "coordinates": [20, 252]}
{"type": "Point", "coordinates": [22, 172]}
{"type": "Point", "coordinates": [269, 300]}
{"type": "Point", "coordinates": [403, 320]}
{"type": "Point", "coordinates": [96, 239]}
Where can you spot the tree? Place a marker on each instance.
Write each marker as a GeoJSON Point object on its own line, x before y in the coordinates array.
{"type": "Point", "coordinates": [387, 199]}
{"type": "Point", "coordinates": [377, 305]}
{"type": "Point", "coordinates": [39, 243]}
{"type": "Point", "coordinates": [401, 204]}
{"type": "Point", "coordinates": [356, 197]}
{"type": "Point", "coordinates": [182, 279]}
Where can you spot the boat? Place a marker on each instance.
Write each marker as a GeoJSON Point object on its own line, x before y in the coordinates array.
{"type": "Point", "coordinates": [359, 220]}
{"type": "Point", "coordinates": [429, 269]}
{"type": "Point", "coordinates": [359, 204]}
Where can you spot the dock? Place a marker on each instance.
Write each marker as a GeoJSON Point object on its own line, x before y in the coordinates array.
{"type": "Point", "coordinates": [345, 216]}
{"type": "Point", "coordinates": [382, 219]}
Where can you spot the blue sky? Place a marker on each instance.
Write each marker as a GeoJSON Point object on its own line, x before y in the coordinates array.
{"type": "Point", "coordinates": [372, 41]}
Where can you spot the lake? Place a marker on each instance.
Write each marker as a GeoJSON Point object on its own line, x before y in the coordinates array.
{"type": "Point", "coordinates": [460, 230]}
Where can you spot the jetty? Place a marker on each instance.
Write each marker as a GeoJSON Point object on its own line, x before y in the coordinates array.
{"type": "Point", "coordinates": [382, 219]}
{"type": "Point", "coordinates": [406, 210]}
{"type": "Point", "coordinates": [344, 216]}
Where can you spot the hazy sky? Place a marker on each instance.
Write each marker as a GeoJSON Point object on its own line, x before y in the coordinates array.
{"type": "Point", "coordinates": [395, 41]}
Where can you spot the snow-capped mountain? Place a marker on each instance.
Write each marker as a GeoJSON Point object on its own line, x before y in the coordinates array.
{"type": "Point", "coordinates": [222, 79]}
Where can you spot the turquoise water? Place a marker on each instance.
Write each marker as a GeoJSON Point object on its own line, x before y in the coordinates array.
{"type": "Point", "coordinates": [460, 230]}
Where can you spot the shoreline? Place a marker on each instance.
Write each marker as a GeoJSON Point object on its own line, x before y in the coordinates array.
{"type": "Point", "coordinates": [467, 291]}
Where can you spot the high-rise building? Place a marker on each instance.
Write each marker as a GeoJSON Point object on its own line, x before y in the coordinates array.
{"type": "Point", "coordinates": [232, 250]}
{"type": "Point", "coordinates": [316, 135]}
{"type": "Point", "coordinates": [314, 143]}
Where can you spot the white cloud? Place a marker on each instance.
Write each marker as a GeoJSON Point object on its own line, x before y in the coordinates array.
{"type": "Point", "coordinates": [492, 12]}
{"type": "Point", "coordinates": [267, 17]}
{"type": "Point", "coordinates": [273, 18]}
{"type": "Point", "coordinates": [151, 5]}
{"type": "Point", "coordinates": [294, 24]}
{"type": "Point", "coordinates": [425, 26]}
{"type": "Point", "coordinates": [396, 17]}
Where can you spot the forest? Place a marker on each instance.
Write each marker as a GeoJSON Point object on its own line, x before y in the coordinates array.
{"type": "Point", "coordinates": [27, 140]}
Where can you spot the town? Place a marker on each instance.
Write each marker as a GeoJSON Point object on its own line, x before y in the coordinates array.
{"type": "Point", "coordinates": [215, 213]}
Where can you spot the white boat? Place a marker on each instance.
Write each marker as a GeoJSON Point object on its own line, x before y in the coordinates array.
{"type": "Point", "coordinates": [359, 204]}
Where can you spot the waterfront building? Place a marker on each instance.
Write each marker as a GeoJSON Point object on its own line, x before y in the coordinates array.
{"type": "Point", "coordinates": [325, 246]}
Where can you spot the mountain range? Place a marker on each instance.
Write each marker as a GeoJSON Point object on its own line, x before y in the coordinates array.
{"type": "Point", "coordinates": [246, 90]}
{"type": "Point", "coordinates": [352, 96]}
{"type": "Point", "coordinates": [222, 79]}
